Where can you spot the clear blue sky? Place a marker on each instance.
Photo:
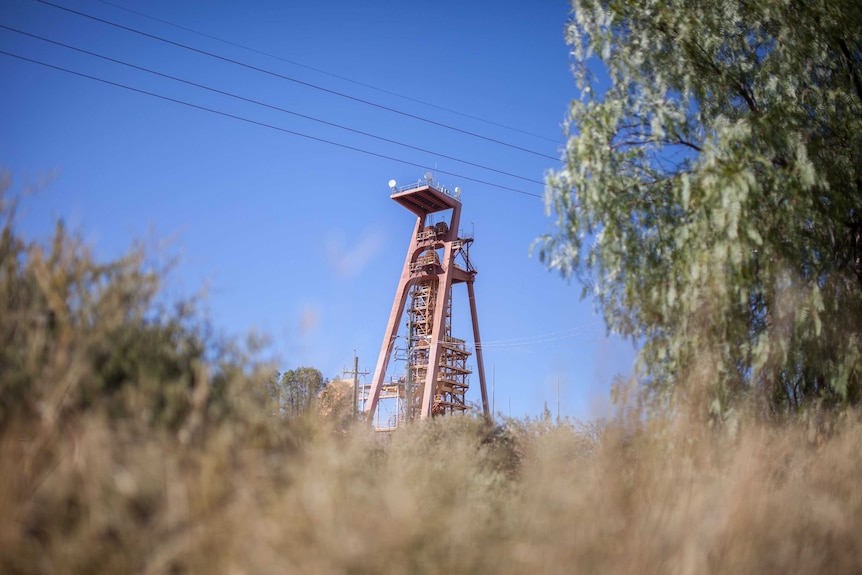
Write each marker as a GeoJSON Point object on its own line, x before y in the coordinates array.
{"type": "Point", "coordinates": [296, 238]}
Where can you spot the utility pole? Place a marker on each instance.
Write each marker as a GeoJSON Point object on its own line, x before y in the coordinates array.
{"type": "Point", "coordinates": [408, 380]}
{"type": "Point", "coordinates": [356, 387]}
{"type": "Point", "coordinates": [355, 373]}
{"type": "Point", "coordinates": [558, 401]}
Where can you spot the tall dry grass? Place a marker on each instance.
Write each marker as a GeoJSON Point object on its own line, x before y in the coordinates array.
{"type": "Point", "coordinates": [441, 497]}
{"type": "Point", "coordinates": [131, 441]}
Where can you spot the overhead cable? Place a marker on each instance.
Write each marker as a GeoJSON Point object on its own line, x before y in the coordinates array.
{"type": "Point", "coordinates": [297, 81]}
{"type": "Point", "coordinates": [585, 328]}
{"type": "Point", "coordinates": [273, 107]}
{"type": "Point", "coordinates": [535, 340]}
{"type": "Point", "coordinates": [325, 73]}
{"type": "Point", "coordinates": [266, 125]}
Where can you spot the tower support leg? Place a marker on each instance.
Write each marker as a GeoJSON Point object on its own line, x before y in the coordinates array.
{"type": "Point", "coordinates": [444, 290]}
{"type": "Point", "coordinates": [477, 340]}
{"type": "Point", "coordinates": [392, 326]}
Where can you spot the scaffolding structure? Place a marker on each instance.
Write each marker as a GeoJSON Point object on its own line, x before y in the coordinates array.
{"type": "Point", "coordinates": [430, 270]}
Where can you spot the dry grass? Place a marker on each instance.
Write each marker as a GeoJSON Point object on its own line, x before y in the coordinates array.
{"type": "Point", "coordinates": [131, 442]}
{"type": "Point", "coordinates": [446, 496]}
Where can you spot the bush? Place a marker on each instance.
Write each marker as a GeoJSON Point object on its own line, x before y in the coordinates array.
{"type": "Point", "coordinates": [131, 442]}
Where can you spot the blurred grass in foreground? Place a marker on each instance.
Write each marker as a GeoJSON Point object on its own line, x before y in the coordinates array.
{"type": "Point", "coordinates": [132, 441]}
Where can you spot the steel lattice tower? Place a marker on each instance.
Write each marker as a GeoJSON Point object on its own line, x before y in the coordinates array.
{"type": "Point", "coordinates": [430, 270]}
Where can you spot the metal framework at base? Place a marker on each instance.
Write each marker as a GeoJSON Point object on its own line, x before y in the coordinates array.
{"type": "Point", "coordinates": [427, 278]}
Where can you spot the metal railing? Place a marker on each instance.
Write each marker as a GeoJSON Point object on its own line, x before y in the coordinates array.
{"type": "Point", "coordinates": [421, 182]}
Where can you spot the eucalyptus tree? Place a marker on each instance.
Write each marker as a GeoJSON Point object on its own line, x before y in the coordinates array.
{"type": "Point", "coordinates": [711, 194]}
{"type": "Point", "coordinates": [295, 391]}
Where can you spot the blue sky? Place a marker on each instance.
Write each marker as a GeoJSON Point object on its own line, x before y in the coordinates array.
{"type": "Point", "coordinates": [295, 238]}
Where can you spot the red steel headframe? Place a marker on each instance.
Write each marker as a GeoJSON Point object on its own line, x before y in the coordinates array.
{"type": "Point", "coordinates": [423, 199]}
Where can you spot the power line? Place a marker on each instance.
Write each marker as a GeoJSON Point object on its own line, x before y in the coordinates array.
{"type": "Point", "coordinates": [273, 107]}
{"type": "Point", "coordinates": [595, 337]}
{"type": "Point", "coordinates": [330, 74]}
{"type": "Point", "coordinates": [584, 328]}
{"type": "Point", "coordinates": [573, 330]}
{"type": "Point", "coordinates": [264, 124]}
{"type": "Point", "coordinates": [300, 82]}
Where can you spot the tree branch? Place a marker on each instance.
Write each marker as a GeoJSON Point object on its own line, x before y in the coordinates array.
{"type": "Point", "coordinates": [851, 69]}
{"type": "Point", "coordinates": [681, 141]}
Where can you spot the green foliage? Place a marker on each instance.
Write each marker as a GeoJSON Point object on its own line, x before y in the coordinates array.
{"type": "Point", "coordinates": [78, 335]}
{"type": "Point", "coordinates": [295, 391]}
{"type": "Point", "coordinates": [710, 201]}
